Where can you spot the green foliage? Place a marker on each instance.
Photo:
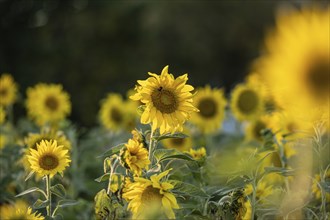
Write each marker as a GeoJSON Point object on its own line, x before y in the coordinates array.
{"type": "Point", "coordinates": [167, 154]}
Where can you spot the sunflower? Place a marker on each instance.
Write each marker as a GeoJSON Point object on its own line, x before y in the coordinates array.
{"type": "Point", "coordinates": [181, 144]}
{"type": "Point", "coordinates": [211, 104]}
{"type": "Point", "coordinates": [255, 128]}
{"type": "Point", "coordinates": [296, 64]}
{"type": "Point", "coordinates": [2, 115]}
{"type": "Point", "coordinates": [18, 211]}
{"type": "Point", "coordinates": [34, 139]}
{"type": "Point", "coordinates": [47, 103]}
{"type": "Point", "coordinates": [168, 101]}
{"type": "Point", "coordinates": [8, 90]}
{"type": "Point", "coordinates": [264, 189]}
{"type": "Point", "coordinates": [135, 156]}
{"type": "Point", "coordinates": [116, 114]}
{"type": "Point", "coordinates": [247, 102]}
{"type": "Point", "coordinates": [198, 154]}
{"type": "Point", "coordinates": [49, 158]}
{"type": "Point", "coordinates": [150, 198]}
{"type": "Point", "coordinates": [255, 80]}
{"type": "Point", "coordinates": [286, 125]}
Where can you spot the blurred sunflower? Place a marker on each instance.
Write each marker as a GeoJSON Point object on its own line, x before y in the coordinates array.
{"type": "Point", "coordinates": [198, 154]}
{"type": "Point", "coordinates": [246, 102]}
{"type": "Point", "coordinates": [18, 211]}
{"type": "Point", "coordinates": [296, 64]}
{"type": "Point", "coordinates": [47, 103]}
{"type": "Point", "coordinates": [264, 189]}
{"type": "Point", "coordinates": [248, 210]}
{"type": "Point", "coordinates": [168, 101]}
{"type": "Point", "coordinates": [34, 139]}
{"type": "Point", "coordinates": [255, 80]}
{"type": "Point", "coordinates": [135, 156]}
{"type": "Point", "coordinates": [8, 90]}
{"type": "Point", "coordinates": [49, 158]}
{"type": "Point", "coordinates": [2, 115]}
{"type": "Point", "coordinates": [181, 144]}
{"type": "Point", "coordinates": [116, 114]}
{"type": "Point", "coordinates": [285, 125]}
{"type": "Point", "coordinates": [211, 104]}
{"type": "Point", "coordinates": [253, 130]}
{"type": "Point", "coordinates": [150, 198]}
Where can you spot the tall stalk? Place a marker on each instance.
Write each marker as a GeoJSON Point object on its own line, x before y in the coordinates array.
{"type": "Point", "coordinates": [49, 195]}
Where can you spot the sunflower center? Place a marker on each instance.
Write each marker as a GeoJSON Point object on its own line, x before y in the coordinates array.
{"type": "Point", "coordinates": [3, 92]}
{"type": "Point", "coordinates": [291, 127]}
{"type": "Point", "coordinates": [48, 162]}
{"type": "Point", "coordinates": [177, 141]}
{"type": "Point", "coordinates": [248, 101]}
{"type": "Point", "coordinates": [116, 115]}
{"type": "Point", "coordinates": [151, 195]}
{"type": "Point", "coordinates": [318, 78]}
{"type": "Point", "coordinates": [207, 107]}
{"type": "Point", "coordinates": [51, 103]}
{"type": "Point", "coordinates": [164, 100]}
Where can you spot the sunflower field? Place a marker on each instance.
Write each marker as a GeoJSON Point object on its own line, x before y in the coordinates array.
{"type": "Point", "coordinates": [170, 149]}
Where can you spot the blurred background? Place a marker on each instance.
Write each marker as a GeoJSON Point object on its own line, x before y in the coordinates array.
{"type": "Point", "coordinates": [96, 47]}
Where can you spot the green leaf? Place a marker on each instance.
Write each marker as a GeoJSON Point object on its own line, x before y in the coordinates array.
{"type": "Point", "coordinates": [58, 190]}
{"type": "Point", "coordinates": [29, 175]}
{"type": "Point", "coordinates": [280, 170]}
{"type": "Point", "coordinates": [102, 178]}
{"type": "Point", "coordinates": [102, 204]}
{"type": "Point", "coordinates": [188, 189]}
{"type": "Point", "coordinates": [114, 150]}
{"type": "Point", "coordinates": [166, 136]}
{"type": "Point", "coordinates": [67, 202]}
{"type": "Point", "coordinates": [166, 154]}
{"type": "Point", "coordinates": [39, 204]}
{"type": "Point", "coordinates": [33, 189]}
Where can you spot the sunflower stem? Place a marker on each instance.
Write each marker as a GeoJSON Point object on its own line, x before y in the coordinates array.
{"type": "Point", "coordinates": [253, 199]}
{"type": "Point", "coordinates": [49, 196]}
{"type": "Point", "coordinates": [112, 169]}
{"type": "Point", "coordinates": [151, 145]}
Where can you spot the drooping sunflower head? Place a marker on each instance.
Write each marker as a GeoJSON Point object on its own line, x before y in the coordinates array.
{"type": "Point", "coordinates": [181, 144]}
{"type": "Point", "coordinates": [47, 103]}
{"type": "Point", "coordinates": [135, 157]}
{"type": "Point", "coordinates": [116, 114]}
{"type": "Point", "coordinates": [168, 101]}
{"type": "Point", "coordinates": [8, 90]}
{"type": "Point", "coordinates": [246, 102]}
{"type": "Point", "coordinates": [296, 64]}
{"type": "Point", "coordinates": [149, 198]}
{"type": "Point", "coordinates": [211, 104]}
{"type": "Point", "coordinates": [19, 210]}
{"type": "Point", "coordinates": [49, 158]}
{"type": "Point", "coordinates": [2, 115]}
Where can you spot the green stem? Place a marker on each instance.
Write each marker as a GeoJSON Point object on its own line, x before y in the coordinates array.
{"type": "Point", "coordinates": [49, 195]}
{"type": "Point", "coordinates": [112, 169]}
{"type": "Point", "coordinates": [151, 146]}
{"type": "Point", "coordinates": [253, 199]}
